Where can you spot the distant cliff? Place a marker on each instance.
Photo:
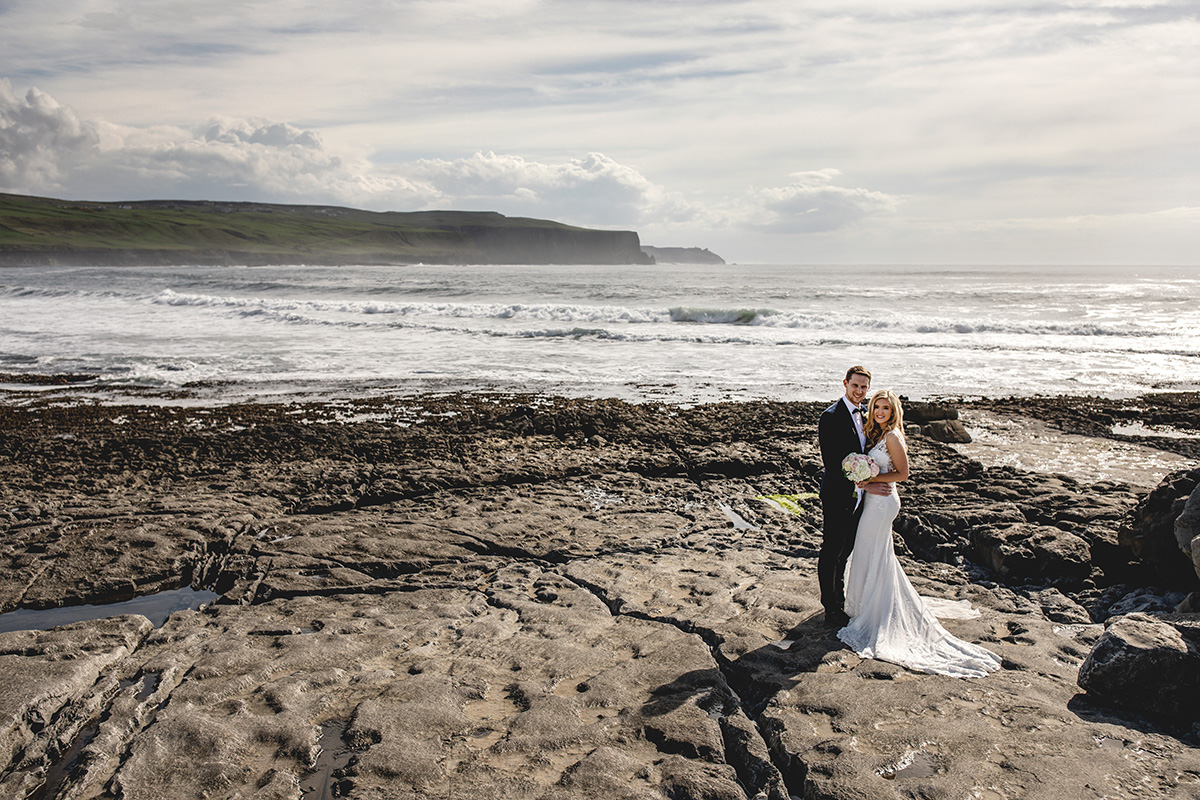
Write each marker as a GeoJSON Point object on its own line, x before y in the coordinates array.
{"type": "Point", "coordinates": [36, 231]}
{"type": "Point", "coordinates": [682, 255]}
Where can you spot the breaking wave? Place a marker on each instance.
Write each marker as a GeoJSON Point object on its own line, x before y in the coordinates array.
{"type": "Point", "coordinates": [587, 318]}
{"type": "Point", "coordinates": [754, 330]}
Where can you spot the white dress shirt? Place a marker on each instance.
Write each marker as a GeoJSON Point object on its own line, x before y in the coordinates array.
{"type": "Point", "coordinates": [856, 415]}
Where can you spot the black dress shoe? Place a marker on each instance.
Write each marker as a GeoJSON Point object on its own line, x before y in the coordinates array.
{"type": "Point", "coordinates": [837, 619]}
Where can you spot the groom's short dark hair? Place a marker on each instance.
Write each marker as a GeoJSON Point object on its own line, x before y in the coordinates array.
{"type": "Point", "coordinates": [850, 373]}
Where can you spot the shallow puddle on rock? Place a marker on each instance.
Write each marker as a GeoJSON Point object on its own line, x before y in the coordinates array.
{"type": "Point", "coordinates": [62, 767]}
{"type": "Point", "coordinates": [822, 724]}
{"type": "Point", "coordinates": [923, 766]}
{"type": "Point", "coordinates": [1109, 743]}
{"type": "Point", "coordinates": [919, 765]}
{"type": "Point", "coordinates": [155, 607]}
{"type": "Point", "coordinates": [149, 682]}
{"type": "Point", "coordinates": [335, 755]}
{"type": "Point", "coordinates": [58, 772]}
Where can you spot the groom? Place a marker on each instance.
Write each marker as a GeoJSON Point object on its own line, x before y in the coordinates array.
{"type": "Point", "coordinates": [840, 433]}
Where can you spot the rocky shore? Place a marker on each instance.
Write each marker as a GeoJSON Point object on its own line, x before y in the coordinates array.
{"type": "Point", "coordinates": [483, 596]}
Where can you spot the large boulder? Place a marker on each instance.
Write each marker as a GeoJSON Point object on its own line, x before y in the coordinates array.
{"type": "Point", "coordinates": [1187, 529]}
{"type": "Point", "coordinates": [921, 413]}
{"type": "Point", "coordinates": [1023, 551]}
{"type": "Point", "coordinates": [1147, 664]}
{"type": "Point", "coordinates": [950, 431]}
{"type": "Point", "coordinates": [1156, 529]}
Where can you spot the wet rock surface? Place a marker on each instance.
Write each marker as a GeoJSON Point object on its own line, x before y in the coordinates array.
{"type": "Point", "coordinates": [493, 596]}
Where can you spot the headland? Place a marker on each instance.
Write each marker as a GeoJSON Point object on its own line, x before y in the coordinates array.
{"type": "Point", "coordinates": [43, 231]}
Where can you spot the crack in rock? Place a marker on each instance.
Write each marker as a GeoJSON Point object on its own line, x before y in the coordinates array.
{"type": "Point", "coordinates": [754, 761]}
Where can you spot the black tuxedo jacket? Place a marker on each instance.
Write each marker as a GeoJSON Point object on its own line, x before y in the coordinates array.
{"type": "Point", "coordinates": [838, 438]}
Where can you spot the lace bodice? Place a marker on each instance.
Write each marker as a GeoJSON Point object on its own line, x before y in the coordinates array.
{"type": "Point", "coordinates": [879, 454]}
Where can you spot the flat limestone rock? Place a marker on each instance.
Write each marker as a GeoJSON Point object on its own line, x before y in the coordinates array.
{"type": "Point", "coordinates": [842, 726]}
{"type": "Point", "coordinates": [473, 597]}
{"type": "Point", "coordinates": [530, 687]}
{"type": "Point", "coordinates": [44, 674]}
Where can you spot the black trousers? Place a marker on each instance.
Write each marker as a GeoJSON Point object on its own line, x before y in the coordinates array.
{"type": "Point", "coordinates": [840, 524]}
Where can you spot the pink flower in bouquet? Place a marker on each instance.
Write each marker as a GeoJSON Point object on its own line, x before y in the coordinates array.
{"type": "Point", "coordinates": [859, 467]}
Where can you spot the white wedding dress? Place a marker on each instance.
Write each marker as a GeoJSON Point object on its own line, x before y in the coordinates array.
{"type": "Point", "coordinates": [889, 620]}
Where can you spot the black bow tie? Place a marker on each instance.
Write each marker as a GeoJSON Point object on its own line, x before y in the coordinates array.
{"type": "Point", "coordinates": [860, 410]}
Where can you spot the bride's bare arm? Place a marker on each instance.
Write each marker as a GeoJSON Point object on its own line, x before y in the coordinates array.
{"type": "Point", "coordinates": [899, 453]}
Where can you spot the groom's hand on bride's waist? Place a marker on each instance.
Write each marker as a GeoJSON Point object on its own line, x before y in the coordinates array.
{"type": "Point", "coordinates": [878, 487]}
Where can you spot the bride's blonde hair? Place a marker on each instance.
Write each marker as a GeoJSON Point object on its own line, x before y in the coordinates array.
{"type": "Point", "coordinates": [873, 429]}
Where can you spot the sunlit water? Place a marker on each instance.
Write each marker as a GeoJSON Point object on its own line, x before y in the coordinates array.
{"type": "Point", "coordinates": [672, 332]}
{"type": "Point", "coordinates": [1032, 445]}
{"type": "Point", "coordinates": [155, 607]}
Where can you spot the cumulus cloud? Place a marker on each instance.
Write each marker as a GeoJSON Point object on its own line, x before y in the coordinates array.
{"type": "Point", "coordinates": [40, 140]}
{"type": "Point", "coordinates": [265, 162]}
{"type": "Point", "coordinates": [814, 203]}
{"type": "Point", "coordinates": [46, 148]}
{"type": "Point", "coordinates": [279, 134]}
{"type": "Point", "coordinates": [596, 189]}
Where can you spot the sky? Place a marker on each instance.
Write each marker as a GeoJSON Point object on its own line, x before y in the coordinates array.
{"type": "Point", "coordinates": [835, 131]}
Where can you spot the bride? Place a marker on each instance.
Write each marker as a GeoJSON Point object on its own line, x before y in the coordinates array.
{"type": "Point", "coordinates": [889, 620]}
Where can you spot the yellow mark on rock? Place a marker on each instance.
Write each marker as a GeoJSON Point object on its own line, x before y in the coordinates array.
{"type": "Point", "coordinates": [790, 503]}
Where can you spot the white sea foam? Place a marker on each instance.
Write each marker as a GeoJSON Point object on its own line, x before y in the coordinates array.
{"type": "Point", "coordinates": [307, 311]}
{"type": "Point", "coordinates": [670, 331]}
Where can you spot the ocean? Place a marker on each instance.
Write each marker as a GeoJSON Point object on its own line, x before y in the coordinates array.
{"type": "Point", "coordinates": [677, 333]}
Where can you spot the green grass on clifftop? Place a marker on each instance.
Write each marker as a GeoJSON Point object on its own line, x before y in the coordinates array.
{"type": "Point", "coordinates": [43, 230]}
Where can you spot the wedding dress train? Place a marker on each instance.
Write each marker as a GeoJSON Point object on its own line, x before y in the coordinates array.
{"type": "Point", "coordinates": [889, 620]}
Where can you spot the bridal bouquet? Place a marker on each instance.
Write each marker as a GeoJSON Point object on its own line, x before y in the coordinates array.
{"type": "Point", "coordinates": [859, 467]}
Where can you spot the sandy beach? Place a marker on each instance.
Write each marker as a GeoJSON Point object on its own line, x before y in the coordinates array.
{"type": "Point", "coordinates": [497, 595]}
